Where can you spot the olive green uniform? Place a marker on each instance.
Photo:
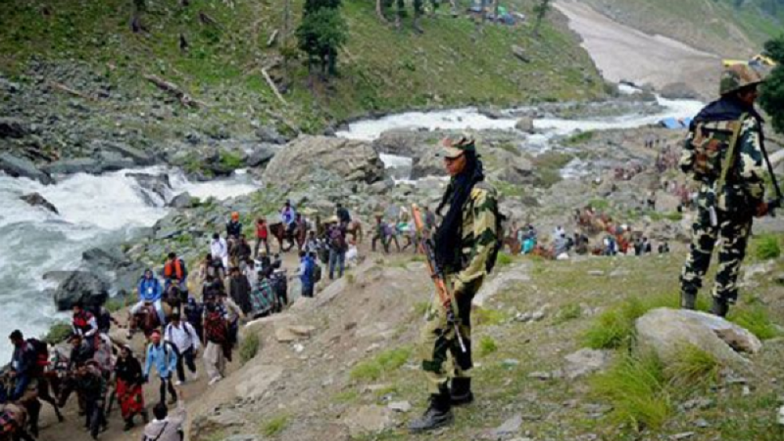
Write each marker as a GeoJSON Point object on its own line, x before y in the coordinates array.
{"type": "Point", "coordinates": [477, 244]}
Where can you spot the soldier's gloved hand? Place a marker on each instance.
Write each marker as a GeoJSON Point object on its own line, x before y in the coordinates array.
{"type": "Point", "coordinates": [762, 209]}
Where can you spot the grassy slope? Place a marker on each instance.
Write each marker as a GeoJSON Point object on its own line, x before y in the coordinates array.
{"type": "Point", "coordinates": [560, 409]}
{"type": "Point", "coordinates": [710, 25]}
{"type": "Point", "coordinates": [381, 69]}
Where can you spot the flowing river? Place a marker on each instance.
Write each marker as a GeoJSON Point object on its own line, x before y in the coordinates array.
{"type": "Point", "coordinates": [109, 209]}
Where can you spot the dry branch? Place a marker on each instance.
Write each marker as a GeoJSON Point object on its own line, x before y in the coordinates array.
{"type": "Point", "coordinates": [175, 91]}
{"type": "Point", "coordinates": [273, 86]}
{"type": "Point", "coordinates": [63, 88]}
{"type": "Point", "coordinates": [272, 38]}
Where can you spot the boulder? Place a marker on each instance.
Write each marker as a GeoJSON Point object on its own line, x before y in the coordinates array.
{"type": "Point", "coordinates": [430, 163]}
{"type": "Point", "coordinates": [81, 286]}
{"type": "Point", "coordinates": [401, 142]}
{"type": "Point", "coordinates": [260, 156]}
{"type": "Point", "coordinates": [679, 91]}
{"type": "Point", "coordinates": [113, 161]}
{"type": "Point", "coordinates": [525, 124]}
{"type": "Point", "coordinates": [153, 186]}
{"type": "Point", "coordinates": [138, 157]}
{"type": "Point", "coordinates": [182, 200]}
{"type": "Point", "coordinates": [13, 128]}
{"type": "Point", "coordinates": [106, 258]}
{"type": "Point", "coordinates": [269, 134]}
{"type": "Point", "coordinates": [17, 167]}
{"type": "Point", "coordinates": [585, 361]}
{"type": "Point", "coordinates": [666, 331]}
{"type": "Point", "coordinates": [257, 379]}
{"type": "Point", "coordinates": [308, 159]}
{"type": "Point", "coordinates": [75, 165]}
{"type": "Point", "coordinates": [36, 200]}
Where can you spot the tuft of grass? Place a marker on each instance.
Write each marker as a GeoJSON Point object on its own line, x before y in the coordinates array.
{"type": "Point", "coordinates": [114, 304]}
{"type": "Point", "coordinates": [420, 308]}
{"type": "Point", "coordinates": [487, 346]}
{"type": "Point", "coordinates": [756, 319]}
{"type": "Point", "coordinates": [58, 332]}
{"type": "Point", "coordinates": [347, 396]}
{"type": "Point", "coordinates": [570, 311]}
{"type": "Point", "coordinates": [635, 387]}
{"type": "Point", "coordinates": [580, 138]}
{"type": "Point", "coordinates": [504, 259]}
{"type": "Point", "coordinates": [615, 327]}
{"type": "Point", "coordinates": [275, 426]}
{"type": "Point", "coordinates": [380, 365]}
{"type": "Point", "coordinates": [693, 367]}
{"type": "Point", "coordinates": [767, 246]}
{"type": "Point", "coordinates": [249, 347]}
{"type": "Point", "coordinates": [489, 317]}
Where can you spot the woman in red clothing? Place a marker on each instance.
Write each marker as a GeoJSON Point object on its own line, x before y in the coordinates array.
{"type": "Point", "coordinates": [129, 387]}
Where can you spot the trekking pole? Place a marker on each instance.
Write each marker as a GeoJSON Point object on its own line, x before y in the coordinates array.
{"type": "Point", "coordinates": [437, 274]}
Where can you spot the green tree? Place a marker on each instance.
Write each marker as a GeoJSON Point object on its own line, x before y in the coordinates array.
{"type": "Point", "coordinates": [321, 34]}
{"type": "Point", "coordinates": [540, 12]}
{"type": "Point", "coordinates": [772, 96]}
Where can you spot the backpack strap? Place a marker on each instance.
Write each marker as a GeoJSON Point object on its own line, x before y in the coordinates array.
{"type": "Point", "coordinates": [161, 432]}
{"type": "Point", "coordinates": [730, 159]}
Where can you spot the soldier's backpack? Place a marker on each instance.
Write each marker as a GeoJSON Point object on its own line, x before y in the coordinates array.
{"type": "Point", "coordinates": [499, 226]}
{"type": "Point", "coordinates": [711, 143]}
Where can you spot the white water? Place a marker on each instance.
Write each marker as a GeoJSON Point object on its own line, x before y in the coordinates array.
{"type": "Point", "coordinates": [470, 118]}
{"type": "Point", "coordinates": [94, 211]}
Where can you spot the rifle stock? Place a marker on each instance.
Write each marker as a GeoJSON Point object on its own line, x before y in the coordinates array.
{"type": "Point", "coordinates": [427, 247]}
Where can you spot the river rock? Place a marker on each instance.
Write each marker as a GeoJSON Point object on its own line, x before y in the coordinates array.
{"type": "Point", "coordinates": [585, 361]}
{"type": "Point", "coordinates": [82, 286]}
{"type": "Point", "coordinates": [311, 158]}
{"type": "Point", "coordinates": [138, 157]}
{"type": "Point", "coordinates": [13, 128]}
{"type": "Point", "coordinates": [430, 163]}
{"type": "Point", "coordinates": [679, 91]}
{"type": "Point", "coordinates": [182, 200]}
{"type": "Point", "coordinates": [106, 258]}
{"type": "Point", "coordinates": [17, 167]}
{"type": "Point", "coordinates": [74, 165]}
{"type": "Point", "coordinates": [401, 142]}
{"type": "Point", "coordinates": [153, 186]}
{"type": "Point", "coordinates": [270, 135]}
{"type": "Point", "coordinates": [36, 200]}
{"type": "Point", "coordinates": [666, 331]}
{"type": "Point", "coordinates": [260, 155]}
{"type": "Point", "coordinates": [525, 124]}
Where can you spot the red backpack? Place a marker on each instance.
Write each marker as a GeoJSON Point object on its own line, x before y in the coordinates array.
{"type": "Point", "coordinates": [215, 329]}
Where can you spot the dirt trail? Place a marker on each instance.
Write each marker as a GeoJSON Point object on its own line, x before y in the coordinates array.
{"type": "Point", "coordinates": [624, 53]}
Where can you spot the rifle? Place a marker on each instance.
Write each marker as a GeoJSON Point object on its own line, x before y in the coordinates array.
{"type": "Point", "coordinates": [437, 274]}
{"type": "Point", "coordinates": [776, 203]}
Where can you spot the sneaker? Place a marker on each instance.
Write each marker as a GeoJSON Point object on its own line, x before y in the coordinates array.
{"type": "Point", "coordinates": [178, 383]}
{"type": "Point", "coordinates": [194, 376]}
{"type": "Point", "coordinates": [214, 380]}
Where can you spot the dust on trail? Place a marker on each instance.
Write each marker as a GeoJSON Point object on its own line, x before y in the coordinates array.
{"type": "Point", "coordinates": [624, 53]}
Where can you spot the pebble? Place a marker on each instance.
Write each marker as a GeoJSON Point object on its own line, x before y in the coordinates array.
{"type": "Point", "coordinates": [702, 423]}
{"type": "Point", "coordinates": [509, 427]}
{"type": "Point", "coordinates": [539, 375]}
{"type": "Point", "coordinates": [746, 391]}
{"type": "Point", "coordinates": [595, 273]}
{"type": "Point", "coordinates": [680, 436]}
{"type": "Point", "coordinates": [697, 403]}
{"type": "Point", "coordinates": [400, 406]}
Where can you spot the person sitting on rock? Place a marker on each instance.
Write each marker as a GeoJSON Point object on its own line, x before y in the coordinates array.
{"type": "Point", "coordinates": [150, 292]}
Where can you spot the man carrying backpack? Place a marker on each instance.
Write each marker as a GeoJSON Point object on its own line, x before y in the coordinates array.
{"type": "Point", "coordinates": [216, 335]}
{"type": "Point", "coordinates": [164, 357]}
{"type": "Point", "coordinates": [724, 151]}
{"type": "Point", "coordinates": [185, 340]}
{"type": "Point", "coordinates": [307, 273]}
{"type": "Point", "coordinates": [23, 364]}
{"type": "Point", "coordinates": [175, 273]}
{"type": "Point", "coordinates": [166, 426]}
{"type": "Point", "coordinates": [465, 246]}
{"type": "Point", "coordinates": [337, 250]}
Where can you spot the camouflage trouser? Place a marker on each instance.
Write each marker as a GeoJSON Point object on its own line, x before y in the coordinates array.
{"type": "Point", "coordinates": [438, 339]}
{"type": "Point", "coordinates": [734, 235]}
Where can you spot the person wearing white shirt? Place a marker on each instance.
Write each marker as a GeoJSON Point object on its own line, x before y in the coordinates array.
{"type": "Point", "coordinates": [186, 341]}
{"type": "Point", "coordinates": [219, 249]}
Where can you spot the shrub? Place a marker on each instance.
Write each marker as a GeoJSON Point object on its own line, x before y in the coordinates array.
{"type": "Point", "coordinates": [380, 365]}
{"type": "Point", "coordinates": [249, 347]}
{"type": "Point", "coordinates": [275, 426]}
{"type": "Point", "coordinates": [693, 367]}
{"type": "Point", "coordinates": [635, 386]}
{"type": "Point", "coordinates": [58, 332]}
{"type": "Point", "coordinates": [487, 346]}
{"type": "Point", "coordinates": [615, 327]}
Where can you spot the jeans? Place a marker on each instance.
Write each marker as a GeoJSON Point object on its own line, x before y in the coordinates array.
{"type": "Point", "coordinates": [166, 383]}
{"type": "Point", "coordinates": [258, 245]}
{"type": "Point", "coordinates": [307, 290]}
{"type": "Point", "coordinates": [21, 386]}
{"type": "Point", "coordinates": [94, 416]}
{"type": "Point", "coordinates": [185, 358]}
{"type": "Point", "coordinates": [336, 258]}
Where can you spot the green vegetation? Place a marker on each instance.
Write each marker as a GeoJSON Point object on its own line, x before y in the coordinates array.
{"type": "Point", "coordinates": [772, 96]}
{"type": "Point", "coordinates": [321, 34]}
{"type": "Point", "coordinates": [275, 426]}
{"type": "Point", "coordinates": [580, 138]}
{"type": "Point", "coordinates": [487, 346]}
{"type": "Point", "coordinates": [635, 388]}
{"type": "Point", "coordinates": [766, 247]}
{"type": "Point", "coordinates": [114, 304]}
{"type": "Point", "coordinates": [58, 332]}
{"type": "Point", "coordinates": [381, 364]}
{"type": "Point", "coordinates": [489, 317]}
{"type": "Point", "coordinates": [570, 311]}
{"type": "Point", "coordinates": [693, 367]}
{"type": "Point", "coordinates": [231, 161]}
{"type": "Point", "coordinates": [249, 347]}
{"type": "Point", "coordinates": [504, 259]}
{"type": "Point", "coordinates": [756, 319]}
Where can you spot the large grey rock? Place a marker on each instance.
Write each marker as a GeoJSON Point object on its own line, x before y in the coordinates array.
{"type": "Point", "coordinates": [81, 286]}
{"type": "Point", "coordinates": [680, 91]}
{"type": "Point", "coordinates": [138, 157]}
{"type": "Point", "coordinates": [257, 379]}
{"type": "Point", "coordinates": [402, 142]}
{"type": "Point", "coordinates": [153, 187]}
{"type": "Point", "coordinates": [17, 167]}
{"type": "Point", "coordinates": [585, 361]}
{"type": "Point", "coordinates": [13, 128]}
{"type": "Point", "coordinates": [430, 163]}
{"type": "Point", "coordinates": [525, 124]}
{"type": "Point", "coordinates": [107, 258]}
{"type": "Point", "coordinates": [36, 200]}
{"type": "Point", "coordinates": [270, 134]}
{"type": "Point", "coordinates": [307, 158]}
{"type": "Point", "coordinates": [182, 200]}
{"type": "Point", "coordinates": [260, 155]}
{"type": "Point", "coordinates": [666, 331]}
{"type": "Point", "coordinates": [75, 165]}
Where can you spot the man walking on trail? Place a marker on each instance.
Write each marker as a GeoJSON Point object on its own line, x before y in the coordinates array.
{"type": "Point", "coordinates": [262, 236]}
{"type": "Point", "coordinates": [466, 246]}
{"type": "Point", "coordinates": [234, 226]}
{"type": "Point", "coordinates": [164, 357]}
{"type": "Point", "coordinates": [724, 152]}
{"type": "Point", "coordinates": [307, 265]}
{"type": "Point", "coordinates": [185, 340]}
{"type": "Point", "coordinates": [219, 250]}
{"type": "Point", "coordinates": [337, 250]}
{"type": "Point", "coordinates": [343, 216]}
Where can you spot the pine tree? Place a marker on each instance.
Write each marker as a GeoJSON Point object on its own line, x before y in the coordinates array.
{"type": "Point", "coordinates": [772, 96]}
{"type": "Point", "coordinates": [321, 34]}
{"type": "Point", "coordinates": [540, 11]}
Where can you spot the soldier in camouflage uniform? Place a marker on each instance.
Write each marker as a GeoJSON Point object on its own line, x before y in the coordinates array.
{"type": "Point", "coordinates": [723, 153]}
{"type": "Point", "coordinates": [466, 246]}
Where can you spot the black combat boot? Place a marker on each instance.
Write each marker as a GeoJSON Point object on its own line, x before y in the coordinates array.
{"type": "Point", "coordinates": [461, 391]}
{"type": "Point", "coordinates": [438, 414]}
{"type": "Point", "coordinates": [720, 307]}
{"type": "Point", "coordinates": [688, 300]}
{"type": "Point", "coordinates": [128, 424]}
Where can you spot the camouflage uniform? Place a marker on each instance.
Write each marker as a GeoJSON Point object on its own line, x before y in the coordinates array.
{"type": "Point", "coordinates": [438, 337]}
{"type": "Point", "coordinates": [730, 191]}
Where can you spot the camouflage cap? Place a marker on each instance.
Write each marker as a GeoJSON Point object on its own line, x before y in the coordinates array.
{"type": "Point", "coordinates": [737, 77]}
{"type": "Point", "coordinates": [454, 147]}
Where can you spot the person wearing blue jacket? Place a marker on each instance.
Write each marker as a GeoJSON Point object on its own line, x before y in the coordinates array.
{"type": "Point", "coordinates": [306, 273]}
{"type": "Point", "coordinates": [164, 357]}
{"type": "Point", "coordinates": [150, 291]}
